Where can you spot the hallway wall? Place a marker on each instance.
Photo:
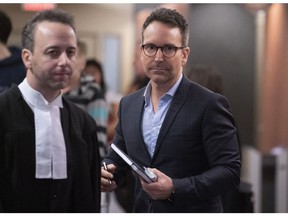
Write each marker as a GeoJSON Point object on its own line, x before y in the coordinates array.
{"type": "Point", "coordinates": [273, 121]}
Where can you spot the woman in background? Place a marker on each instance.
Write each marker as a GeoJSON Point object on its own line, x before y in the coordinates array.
{"type": "Point", "coordinates": [94, 68]}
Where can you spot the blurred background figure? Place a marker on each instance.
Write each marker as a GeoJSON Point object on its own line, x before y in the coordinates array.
{"type": "Point", "coordinates": [12, 69]}
{"type": "Point", "coordinates": [140, 79]}
{"type": "Point", "coordinates": [86, 93]}
{"type": "Point", "coordinates": [94, 69]}
{"type": "Point", "coordinates": [207, 76]}
{"type": "Point", "coordinates": [124, 193]}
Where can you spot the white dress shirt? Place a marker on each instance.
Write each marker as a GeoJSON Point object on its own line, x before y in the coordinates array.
{"type": "Point", "coordinates": [51, 161]}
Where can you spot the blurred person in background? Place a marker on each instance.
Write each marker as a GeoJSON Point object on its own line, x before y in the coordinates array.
{"type": "Point", "coordinates": [184, 132]}
{"type": "Point", "coordinates": [49, 154]}
{"type": "Point", "coordinates": [12, 69]}
{"type": "Point", "coordinates": [86, 93]}
{"type": "Point", "coordinates": [140, 79]}
{"type": "Point", "coordinates": [94, 69]}
{"type": "Point", "coordinates": [206, 75]}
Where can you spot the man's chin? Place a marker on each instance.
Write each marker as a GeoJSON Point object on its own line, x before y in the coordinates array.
{"type": "Point", "coordinates": [61, 85]}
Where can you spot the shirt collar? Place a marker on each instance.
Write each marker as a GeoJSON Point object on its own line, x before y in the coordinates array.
{"type": "Point", "coordinates": [36, 99]}
{"type": "Point", "coordinates": [170, 92]}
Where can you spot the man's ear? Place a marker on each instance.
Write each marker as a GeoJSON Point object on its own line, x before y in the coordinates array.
{"type": "Point", "coordinates": [185, 55]}
{"type": "Point", "coordinates": [27, 58]}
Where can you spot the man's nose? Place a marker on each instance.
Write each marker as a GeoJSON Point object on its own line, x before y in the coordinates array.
{"type": "Point", "coordinates": [159, 55]}
{"type": "Point", "coordinates": [63, 59]}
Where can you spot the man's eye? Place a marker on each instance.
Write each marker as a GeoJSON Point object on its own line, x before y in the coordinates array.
{"type": "Point", "coordinates": [168, 48]}
{"type": "Point", "coordinates": [151, 47]}
{"type": "Point", "coordinates": [53, 53]}
{"type": "Point", "coordinates": [71, 53]}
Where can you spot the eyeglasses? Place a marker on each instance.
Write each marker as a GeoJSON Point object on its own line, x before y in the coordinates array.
{"type": "Point", "coordinates": [168, 51]}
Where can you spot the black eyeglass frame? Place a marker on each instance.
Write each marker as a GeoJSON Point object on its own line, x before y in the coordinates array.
{"type": "Point", "coordinates": [161, 48]}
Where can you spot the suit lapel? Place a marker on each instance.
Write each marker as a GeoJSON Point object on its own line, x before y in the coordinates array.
{"type": "Point", "coordinates": [136, 122]}
{"type": "Point", "coordinates": [176, 103]}
{"type": "Point", "coordinates": [139, 108]}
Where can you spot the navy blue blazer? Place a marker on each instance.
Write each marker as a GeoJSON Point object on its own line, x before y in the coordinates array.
{"type": "Point", "coordinates": [197, 147]}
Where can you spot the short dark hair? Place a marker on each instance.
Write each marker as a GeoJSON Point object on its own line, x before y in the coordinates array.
{"type": "Point", "coordinates": [171, 18]}
{"type": "Point", "coordinates": [5, 27]}
{"type": "Point", "coordinates": [53, 15]}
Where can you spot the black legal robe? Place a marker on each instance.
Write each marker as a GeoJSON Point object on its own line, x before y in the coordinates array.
{"type": "Point", "coordinates": [20, 191]}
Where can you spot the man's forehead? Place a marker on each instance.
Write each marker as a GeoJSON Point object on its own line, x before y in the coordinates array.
{"type": "Point", "coordinates": [53, 24]}
{"type": "Point", "coordinates": [54, 30]}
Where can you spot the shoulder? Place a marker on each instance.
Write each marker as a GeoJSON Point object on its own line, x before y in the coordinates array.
{"type": "Point", "coordinates": [77, 114]}
{"type": "Point", "coordinates": [194, 90]}
{"type": "Point", "coordinates": [135, 96]}
{"type": "Point", "coordinates": [196, 94]}
{"type": "Point", "coordinates": [15, 59]}
{"type": "Point", "coordinates": [15, 50]}
{"type": "Point", "coordinates": [10, 101]}
{"type": "Point", "coordinates": [13, 93]}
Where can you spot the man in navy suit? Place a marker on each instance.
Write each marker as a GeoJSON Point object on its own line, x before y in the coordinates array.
{"type": "Point", "coordinates": [183, 131]}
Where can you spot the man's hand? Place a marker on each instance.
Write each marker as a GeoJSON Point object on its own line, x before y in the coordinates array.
{"type": "Point", "coordinates": [161, 189]}
{"type": "Point", "coordinates": [107, 184]}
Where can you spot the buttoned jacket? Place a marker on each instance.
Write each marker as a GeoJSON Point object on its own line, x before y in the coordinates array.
{"type": "Point", "coordinates": [197, 147]}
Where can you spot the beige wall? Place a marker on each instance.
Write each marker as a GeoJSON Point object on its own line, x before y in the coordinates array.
{"type": "Point", "coordinates": [94, 22]}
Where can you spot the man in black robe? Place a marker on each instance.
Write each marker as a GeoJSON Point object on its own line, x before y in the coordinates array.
{"type": "Point", "coordinates": [49, 155]}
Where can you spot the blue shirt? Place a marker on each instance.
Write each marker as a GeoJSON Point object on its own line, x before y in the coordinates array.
{"type": "Point", "coordinates": [152, 122]}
